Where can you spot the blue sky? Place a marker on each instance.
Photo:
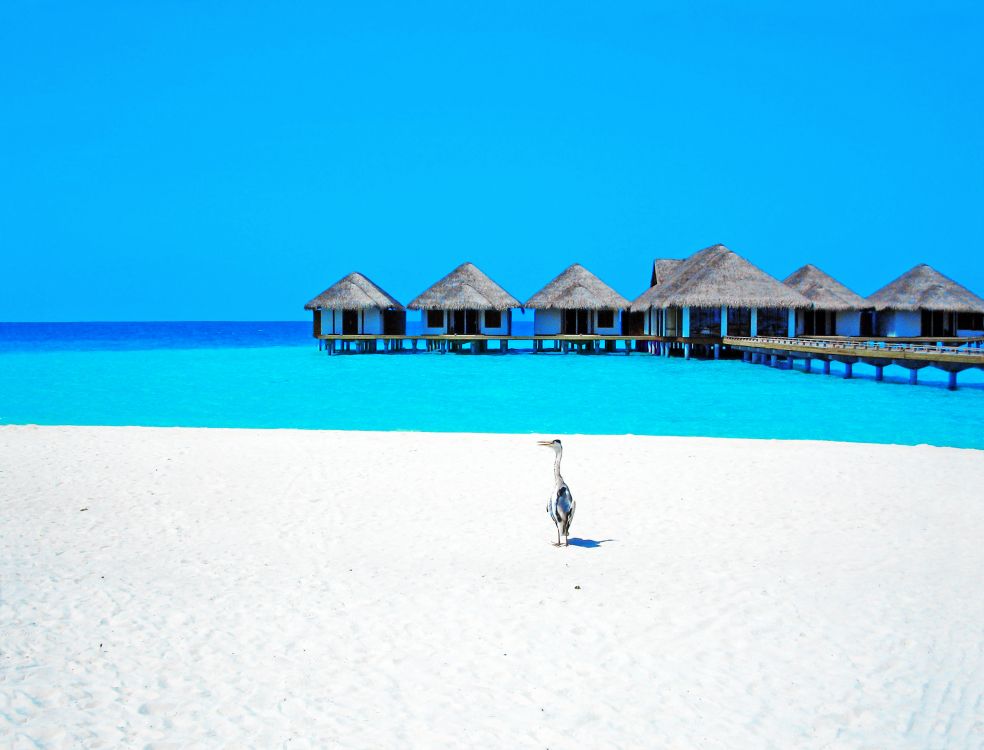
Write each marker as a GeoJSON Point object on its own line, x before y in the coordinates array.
{"type": "Point", "coordinates": [230, 160]}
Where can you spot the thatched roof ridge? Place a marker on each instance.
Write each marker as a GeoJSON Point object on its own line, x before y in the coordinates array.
{"type": "Point", "coordinates": [354, 292]}
{"type": "Point", "coordinates": [823, 290]}
{"type": "Point", "coordinates": [465, 288]}
{"type": "Point", "coordinates": [663, 269]}
{"type": "Point", "coordinates": [925, 288]}
{"type": "Point", "coordinates": [716, 276]}
{"type": "Point", "coordinates": [576, 288]}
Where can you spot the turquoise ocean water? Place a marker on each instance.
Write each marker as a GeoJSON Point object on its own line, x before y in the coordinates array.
{"type": "Point", "coordinates": [272, 375]}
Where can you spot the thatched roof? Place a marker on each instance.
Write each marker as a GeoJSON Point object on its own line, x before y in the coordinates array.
{"type": "Point", "coordinates": [465, 288]}
{"type": "Point", "coordinates": [577, 289]}
{"type": "Point", "coordinates": [663, 268]}
{"type": "Point", "coordinates": [716, 276]}
{"type": "Point", "coordinates": [353, 292]}
{"type": "Point", "coordinates": [824, 291]}
{"type": "Point", "coordinates": [925, 288]}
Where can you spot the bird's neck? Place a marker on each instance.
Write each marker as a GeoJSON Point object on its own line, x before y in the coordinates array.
{"type": "Point", "coordinates": [557, 477]}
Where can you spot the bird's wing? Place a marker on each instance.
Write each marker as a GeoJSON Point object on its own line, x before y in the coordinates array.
{"type": "Point", "coordinates": [564, 501]}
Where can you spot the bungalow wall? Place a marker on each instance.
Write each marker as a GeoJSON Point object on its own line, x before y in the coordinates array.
{"type": "Point", "coordinates": [366, 321]}
{"type": "Point", "coordinates": [906, 323]}
{"type": "Point", "coordinates": [828, 323]}
{"type": "Point", "coordinates": [848, 323]}
{"type": "Point", "coordinates": [487, 320]}
{"type": "Point", "coordinates": [600, 316]}
{"type": "Point", "coordinates": [433, 327]}
{"type": "Point", "coordinates": [550, 322]}
{"type": "Point", "coordinates": [546, 322]}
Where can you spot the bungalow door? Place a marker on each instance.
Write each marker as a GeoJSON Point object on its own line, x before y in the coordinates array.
{"type": "Point", "coordinates": [350, 322]}
{"type": "Point", "coordinates": [575, 322]}
{"type": "Point", "coordinates": [867, 327]}
{"type": "Point", "coordinates": [471, 321]}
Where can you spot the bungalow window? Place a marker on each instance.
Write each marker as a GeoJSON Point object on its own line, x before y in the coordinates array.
{"type": "Point", "coordinates": [435, 318]}
{"type": "Point", "coordinates": [606, 318]}
{"type": "Point", "coordinates": [493, 319]}
{"type": "Point", "coordinates": [705, 321]}
{"type": "Point", "coordinates": [773, 321]}
{"type": "Point", "coordinates": [739, 321]}
{"type": "Point", "coordinates": [970, 321]}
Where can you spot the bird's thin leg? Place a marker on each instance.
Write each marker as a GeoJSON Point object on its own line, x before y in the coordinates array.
{"type": "Point", "coordinates": [558, 536]}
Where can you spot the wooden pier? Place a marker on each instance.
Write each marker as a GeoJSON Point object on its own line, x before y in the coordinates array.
{"type": "Point", "coordinates": [913, 355]}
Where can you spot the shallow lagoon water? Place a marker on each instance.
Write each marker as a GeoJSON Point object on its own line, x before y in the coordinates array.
{"type": "Point", "coordinates": [273, 376]}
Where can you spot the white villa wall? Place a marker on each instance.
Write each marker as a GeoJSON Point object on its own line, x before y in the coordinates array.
{"type": "Point", "coordinates": [614, 330]}
{"type": "Point", "coordinates": [848, 323]}
{"type": "Point", "coordinates": [372, 322]}
{"type": "Point", "coordinates": [432, 331]}
{"type": "Point", "coordinates": [546, 322]}
{"type": "Point", "coordinates": [900, 323]}
{"type": "Point", "coordinates": [501, 330]}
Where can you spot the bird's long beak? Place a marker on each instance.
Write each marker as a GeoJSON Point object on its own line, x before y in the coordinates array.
{"type": "Point", "coordinates": [547, 443]}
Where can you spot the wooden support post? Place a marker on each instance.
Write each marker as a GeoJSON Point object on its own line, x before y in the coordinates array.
{"type": "Point", "coordinates": [774, 360]}
{"type": "Point", "coordinates": [951, 382]}
{"type": "Point", "coordinates": [848, 370]}
{"type": "Point", "coordinates": [826, 367]}
{"type": "Point", "coordinates": [913, 377]}
{"type": "Point", "coordinates": [717, 351]}
{"type": "Point", "coordinates": [807, 365]}
{"type": "Point", "coordinates": [879, 372]}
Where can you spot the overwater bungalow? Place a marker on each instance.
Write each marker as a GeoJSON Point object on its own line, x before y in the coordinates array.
{"type": "Point", "coordinates": [355, 305]}
{"type": "Point", "coordinates": [924, 302]}
{"type": "Point", "coordinates": [715, 292]}
{"type": "Point", "coordinates": [465, 302]}
{"type": "Point", "coordinates": [577, 302]}
{"type": "Point", "coordinates": [836, 310]}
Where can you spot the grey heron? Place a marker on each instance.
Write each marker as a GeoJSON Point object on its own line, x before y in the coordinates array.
{"type": "Point", "coordinates": [560, 507]}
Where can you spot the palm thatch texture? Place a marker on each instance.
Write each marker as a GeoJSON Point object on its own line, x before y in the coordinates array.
{"type": "Point", "coordinates": [925, 288]}
{"type": "Point", "coordinates": [824, 291]}
{"type": "Point", "coordinates": [717, 277]}
{"type": "Point", "coordinates": [577, 289]}
{"type": "Point", "coordinates": [353, 292]}
{"type": "Point", "coordinates": [663, 268]}
{"type": "Point", "coordinates": [465, 288]}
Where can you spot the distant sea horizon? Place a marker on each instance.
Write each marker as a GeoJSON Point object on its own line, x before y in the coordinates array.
{"type": "Point", "coordinates": [170, 334]}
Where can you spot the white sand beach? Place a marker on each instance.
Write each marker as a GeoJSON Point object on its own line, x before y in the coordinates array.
{"type": "Point", "coordinates": [173, 588]}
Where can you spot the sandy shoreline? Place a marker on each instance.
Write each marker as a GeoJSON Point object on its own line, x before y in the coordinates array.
{"type": "Point", "coordinates": [282, 588]}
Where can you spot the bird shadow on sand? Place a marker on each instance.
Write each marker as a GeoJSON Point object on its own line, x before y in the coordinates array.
{"type": "Point", "coordinates": [588, 543]}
